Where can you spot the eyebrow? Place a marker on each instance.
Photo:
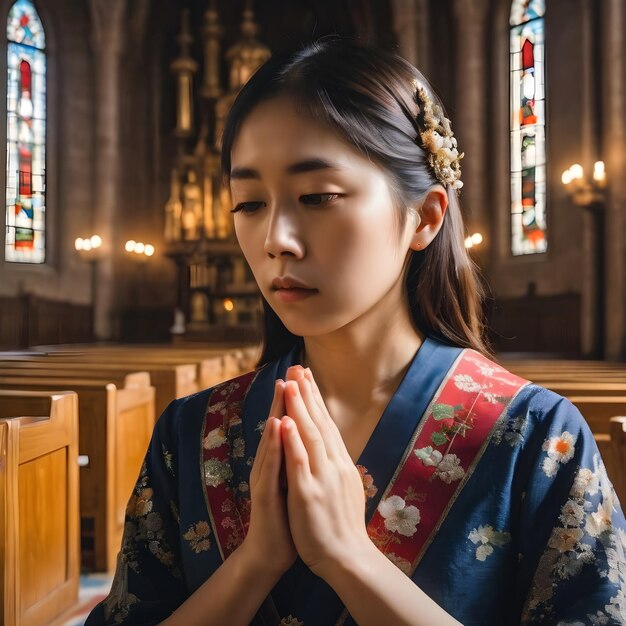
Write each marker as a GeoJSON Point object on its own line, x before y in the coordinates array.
{"type": "Point", "coordinates": [309, 165]}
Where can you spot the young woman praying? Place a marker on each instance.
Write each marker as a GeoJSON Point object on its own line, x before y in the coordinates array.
{"type": "Point", "coordinates": [377, 467]}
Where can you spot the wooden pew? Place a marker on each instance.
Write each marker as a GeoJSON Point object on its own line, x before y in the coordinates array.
{"type": "Point", "coordinates": [598, 389]}
{"type": "Point", "coordinates": [598, 410]}
{"type": "Point", "coordinates": [618, 456]}
{"type": "Point", "coordinates": [37, 370]}
{"type": "Point", "coordinates": [39, 517]}
{"type": "Point", "coordinates": [212, 367]}
{"type": "Point", "coordinates": [215, 363]}
{"type": "Point", "coordinates": [169, 381]}
{"type": "Point", "coordinates": [201, 368]}
{"type": "Point", "coordinates": [115, 428]}
{"type": "Point", "coordinates": [577, 389]}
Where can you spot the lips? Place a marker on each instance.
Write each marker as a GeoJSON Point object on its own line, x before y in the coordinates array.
{"type": "Point", "coordinates": [289, 283]}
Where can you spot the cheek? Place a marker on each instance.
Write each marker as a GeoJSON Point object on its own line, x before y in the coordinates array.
{"type": "Point", "coordinates": [361, 252]}
{"type": "Point", "coordinates": [251, 244]}
{"type": "Point", "coordinates": [248, 233]}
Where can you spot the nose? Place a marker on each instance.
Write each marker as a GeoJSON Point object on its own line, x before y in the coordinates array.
{"type": "Point", "coordinates": [282, 237]}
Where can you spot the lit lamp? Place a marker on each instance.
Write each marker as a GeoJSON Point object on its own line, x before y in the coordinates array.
{"type": "Point", "coordinates": [90, 250]}
{"type": "Point", "coordinates": [139, 252]}
{"type": "Point", "coordinates": [590, 195]}
{"type": "Point", "coordinates": [473, 240]}
{"type": "Point", "coordinates": [585, 192]}
{"type": "Point", "coordinates": [142, 250]}
{"type": "Point", "coordinates": [87, 248]}
{"type": "Point", "coordinates": [229, 307]}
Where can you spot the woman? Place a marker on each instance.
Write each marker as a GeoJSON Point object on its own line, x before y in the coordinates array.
{"type": "Point", "coordinates": [376, 467]}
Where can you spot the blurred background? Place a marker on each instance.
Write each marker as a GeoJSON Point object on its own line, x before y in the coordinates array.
{"type": "Point", "coordinates": [115, 224]}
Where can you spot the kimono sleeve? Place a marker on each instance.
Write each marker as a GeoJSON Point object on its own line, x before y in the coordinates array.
{"type": "Point", "coordinates": [148, 583]}
{"type": "Point", "coordinates": [572, 529]}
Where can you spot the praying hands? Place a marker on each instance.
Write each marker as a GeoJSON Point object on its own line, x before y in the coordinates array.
{"type": "Point", "coordinates": [323, 514]}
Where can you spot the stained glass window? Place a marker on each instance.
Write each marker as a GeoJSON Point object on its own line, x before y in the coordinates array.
{"type": "Point", "coordinates": [528, 127]}
{"type": "Point", "coordinates": [26, 136]}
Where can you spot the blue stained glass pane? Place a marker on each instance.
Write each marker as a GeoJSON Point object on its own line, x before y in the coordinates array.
{"type": "Point", "coordinates": [24, 25]}
{"type": "Point", "coordinates": [526, 10]}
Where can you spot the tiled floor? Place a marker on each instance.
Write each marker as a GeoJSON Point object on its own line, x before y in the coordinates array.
{"type": "Point", "coordinates": [93, 588]}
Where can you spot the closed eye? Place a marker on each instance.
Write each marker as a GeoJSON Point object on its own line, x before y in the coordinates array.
{"type": "Point", "coordinates": [311, 199]}
{"type": "Point", "coordinates": [316, 199]}
{"type": "Point", "coordinates": [246, 207]}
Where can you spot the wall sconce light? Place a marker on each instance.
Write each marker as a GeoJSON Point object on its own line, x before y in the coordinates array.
{"type": "Point", "coordinates": [585, 192]}
{"type": "Point", "coordinates": [590, 196]}
{"type": "Point", "coordinates": [87, 248]}
{"type": "Point", "coordinates": [139, 248]}
{"type": "Point", "coordinates": [473, 240]}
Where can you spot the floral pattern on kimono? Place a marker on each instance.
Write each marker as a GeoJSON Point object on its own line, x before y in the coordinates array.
{"type": "Point", "coordinates": [148, 581]}
{"type": "Point", "coordinates": [510, 548]}
{"type": "Point", "coordinates": [584, 540]}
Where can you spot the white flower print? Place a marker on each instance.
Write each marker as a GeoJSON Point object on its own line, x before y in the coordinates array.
{"type": "Point", "coordinates": [483, 551]}
{"type": "Point", "coordinates": [448, 465]}
{"type": "Point", "coordinates": [290, 621]}
{"type": "Point", "coordinates": [214, 439]}
{"type": "Point", "coordinates": [550, 467]}
{"type": "Point", "coordinates": [600, 520]}
{"type": "Point", "coordinates": [614, 556]}
{"type": "Point", "coordinates": [572, 513]}
{"type": "Point", "coordinates": [464, 382]}
{"type": "Point", "coordinates": [399, 518]}
{"type": "Point", "coordinates": [616, 561]}
{"type": "Point", "coordinates": [487, 370]}
{"type": "Point", "coordinates": [585, 481]}
{"type": "Point", "coordinates": [560, 449]}
{"type": "Point", "coordinates": [486, 538]}
{"type": "Point", "coordinates": [570, 549]}
{"type": "Point", "coordinates": [450, 469]}
{"type": "Point", "coordinates": [565, 539]}
{"type": "Point", "coordinates": [599, 619]}
{"type": "Point", "coordinates": [491, 397]}
{"type": "Point", "coordinates": [429, 456]}
{"type": "Point", "coordinates": [216, 472]}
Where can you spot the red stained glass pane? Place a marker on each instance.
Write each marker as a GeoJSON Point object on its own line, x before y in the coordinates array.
{"type": "Point", "coordinates": [26, 136]}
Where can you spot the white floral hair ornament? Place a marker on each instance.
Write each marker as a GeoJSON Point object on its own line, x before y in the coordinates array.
{"type": "Point", "coordinates": [435, 136]}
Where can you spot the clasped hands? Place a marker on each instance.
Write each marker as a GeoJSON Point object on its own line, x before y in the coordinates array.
{"type": "Point", "coordinates": [321, 517]}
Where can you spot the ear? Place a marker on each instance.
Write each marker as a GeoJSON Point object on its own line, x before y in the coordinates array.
{"type": "Point", "coordinates": [430, 217]}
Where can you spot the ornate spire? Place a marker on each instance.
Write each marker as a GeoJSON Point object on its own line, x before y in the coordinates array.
{"type": "Point", "coordinates": [212, 35]}
{"type": "Point", "coordinates": [184, 67]}
{"type": "Point", "coordinates": [248, 54]}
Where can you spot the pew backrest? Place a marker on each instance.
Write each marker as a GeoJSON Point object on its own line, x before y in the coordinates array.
{"type": "Point", "coordinates": [39, 521]}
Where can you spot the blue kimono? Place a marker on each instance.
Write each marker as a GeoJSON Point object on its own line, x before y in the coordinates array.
{"type": "Point", "coordinates": [533, 533]}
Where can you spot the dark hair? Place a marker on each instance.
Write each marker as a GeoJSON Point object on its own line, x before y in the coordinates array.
{"type": "Point", "coordinates": [367, 95]}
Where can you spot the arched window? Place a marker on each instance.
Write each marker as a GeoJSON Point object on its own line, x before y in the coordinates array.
{"type": "Point", "coordinates": [528, 127]}
{"type": "Point", "coordinates": [26, 136]}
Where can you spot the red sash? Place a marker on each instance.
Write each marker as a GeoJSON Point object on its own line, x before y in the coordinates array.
{"type": "Point", "coordinates": [229, 520]}
{"type": "Point", "coordinates": [441, 456]}
{"type": "Point", "coordinates": [443, 452]}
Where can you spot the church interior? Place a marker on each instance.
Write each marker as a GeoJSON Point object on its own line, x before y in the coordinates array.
{"type": "Point", "coordinates": [122, 285]}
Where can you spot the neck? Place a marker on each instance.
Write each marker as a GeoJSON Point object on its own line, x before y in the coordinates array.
{"type": "Point", "coordinates": [359, 371]}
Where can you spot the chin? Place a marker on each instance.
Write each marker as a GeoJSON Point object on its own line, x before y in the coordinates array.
{"type": "Point", "coordinates": [310, 328]}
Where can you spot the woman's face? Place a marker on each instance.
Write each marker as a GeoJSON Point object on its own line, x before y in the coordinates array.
{"type": "Point", "coordinates": [314, 209]}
